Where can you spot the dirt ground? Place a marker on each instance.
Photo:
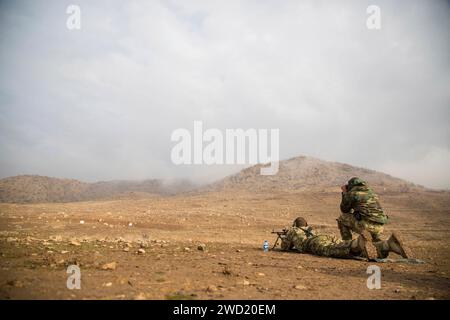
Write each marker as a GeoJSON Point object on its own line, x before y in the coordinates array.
{"type": "Point", "coordinates": [39, 241]}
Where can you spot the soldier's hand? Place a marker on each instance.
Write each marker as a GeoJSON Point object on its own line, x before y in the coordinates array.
{"type": "Point", "coordinates": [344, 188]}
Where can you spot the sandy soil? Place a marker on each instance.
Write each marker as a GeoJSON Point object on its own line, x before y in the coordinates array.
{"type": "Point", "coordinates": [39, 241]}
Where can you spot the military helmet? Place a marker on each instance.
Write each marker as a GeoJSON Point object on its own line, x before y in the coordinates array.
{"type": "Point", "coordinates": [355, 181]}
{"type": "Point", "coordinates": [300, 222]}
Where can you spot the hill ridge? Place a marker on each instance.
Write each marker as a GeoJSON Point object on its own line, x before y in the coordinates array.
{"type": "Point", "coordinates": [296, 174]}
{"type": "Point", "coordinates": [303, 173]}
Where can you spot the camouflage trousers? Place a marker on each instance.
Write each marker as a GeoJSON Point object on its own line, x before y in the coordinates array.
{"type": "Point", "coordinates": [348, 223]}
{"type": "Point", "coordinates": [328, 246]}
{"type": "Point", "coordinates": [320, 245]}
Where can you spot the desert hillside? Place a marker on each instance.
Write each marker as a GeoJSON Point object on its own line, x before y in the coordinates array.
{"type": "Point", "coordinates": [294, 175]}
{"type": "Point", "coordinates": [307, 173]}
{"type": "Point", "coordinates": [33, 189]}
{"type": "Point", "coordinates": [208, 245]}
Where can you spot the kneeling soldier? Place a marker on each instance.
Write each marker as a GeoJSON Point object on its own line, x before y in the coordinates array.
{"type": "Point", "coordinates": [361, 211]}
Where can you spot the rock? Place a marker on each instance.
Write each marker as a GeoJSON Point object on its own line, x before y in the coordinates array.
{"type": "Point", "coordinates": [141, 251]}
{"type": "Point", "coordinates": [56, 238]}
{"type": "Point", "coordinates": [260, 274]}
{"type": "Point", "coordinates": [299, 267]}
{"type": "Point", "coordinates": [201, 247]}
{"type": "Point", "coordinates": [75, 243]}
{"type": "Point", "coordinates": [109, 266]}
{"type": "Point", "coordinates": [81, 221]}
{"type": "Point", "coordinates": [64, 252]}
{"type": "Point", "coordinates": [130, 224]}
{"type": "Point", "coordinates": [15, 283]}
{"type": "Point", "coordinates": [246, 283]}
{"type": "Point", "coordinates": [11, 239]}
{"type": "Point", "coordinates": [108, 284]}
{"type": "Point", "coordinates": [126, 249]}
{"type": "Point", "coordinates": [140, 296]}
{"type": "Point", "coordinates": [300, 287]}
{"type": "Point", "coordinates": [212, 288]}
{"type": "Point", "coordinates": [187, 249]}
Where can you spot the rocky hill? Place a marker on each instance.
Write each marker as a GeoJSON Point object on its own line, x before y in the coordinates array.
{"type": "Point", "coordinates": [294, 175]}
{"type": "Point", "coordinates": [33, 188]}
{"type": "Point", "coordinates": [307, 173]}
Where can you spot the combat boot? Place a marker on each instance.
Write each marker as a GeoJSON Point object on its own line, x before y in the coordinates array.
{"type": "Point", "coordinates": [395, 244]}
{"type": "Point", "coordinates": [364, 246]}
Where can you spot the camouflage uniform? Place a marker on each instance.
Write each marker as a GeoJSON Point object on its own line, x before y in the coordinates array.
{"type": "Point", "coordinates": [361, 210]}
{"type": "Point", "coordinates": [306, 241]}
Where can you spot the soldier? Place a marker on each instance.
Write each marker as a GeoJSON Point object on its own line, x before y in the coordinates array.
{"type": "Point", "coordinates": [302, 238]}
{"type": "Point", "coordinates": [361, 211]}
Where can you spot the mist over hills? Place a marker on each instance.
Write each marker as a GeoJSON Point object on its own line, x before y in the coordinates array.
{"type": "Point", "coordinates": [295, 175]}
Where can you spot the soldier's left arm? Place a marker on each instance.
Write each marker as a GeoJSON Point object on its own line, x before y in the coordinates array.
{"type": "Point", "coordinates": [346, 202]}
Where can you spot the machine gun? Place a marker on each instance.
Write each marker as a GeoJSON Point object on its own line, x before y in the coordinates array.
{"type": "Point", "coordinates": [280, 235]}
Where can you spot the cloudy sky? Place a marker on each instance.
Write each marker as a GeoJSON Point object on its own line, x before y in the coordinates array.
{"type": "Point", "coordinates": [100, 103]}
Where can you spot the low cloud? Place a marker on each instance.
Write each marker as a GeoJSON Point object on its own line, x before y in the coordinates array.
{"type": "Point", "coordinates": [101, 102]}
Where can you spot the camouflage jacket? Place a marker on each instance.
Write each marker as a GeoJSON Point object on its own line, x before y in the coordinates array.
{"type": "Point", "coordinates": [363, 201]}
{"type": "Point", "coordinates": [296, 238]}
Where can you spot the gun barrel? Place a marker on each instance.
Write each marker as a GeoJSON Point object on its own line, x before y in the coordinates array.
{"type": "Point", "coordinates": [279, 232]}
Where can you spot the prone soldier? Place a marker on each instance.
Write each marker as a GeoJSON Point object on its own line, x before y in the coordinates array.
{"type": "Point", "coordinates": [303, 239]}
